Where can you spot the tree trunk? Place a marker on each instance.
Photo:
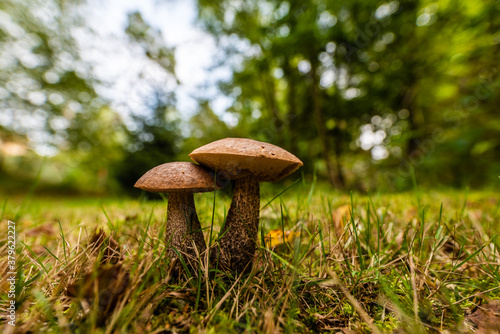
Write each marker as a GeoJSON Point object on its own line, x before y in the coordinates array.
{"type": "Point", "coordinates": [407, 93]}
{"type": "Point", "coordinates": [333, 175]}
{"type": "Point", "coordinates": [338, 153]}
{"type": "Point", "coordinates": [407, 103]}
{"type": "Point", "coordinates": [291, 117]}
{"type": "Point", "coordinates": [269, 91]}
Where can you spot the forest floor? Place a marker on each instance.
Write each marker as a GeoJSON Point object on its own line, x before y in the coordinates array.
{"type": "Point", "coordinates": [417, 262]}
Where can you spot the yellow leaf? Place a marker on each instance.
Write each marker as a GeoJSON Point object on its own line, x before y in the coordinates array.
{"type": "Point", "coordinates": [275, 237]}
{"type": "Point", "coordinates": [340, 217]}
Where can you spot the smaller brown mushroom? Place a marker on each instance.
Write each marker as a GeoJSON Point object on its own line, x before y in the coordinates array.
{"type": "Point", "coordinates": [180, 180]}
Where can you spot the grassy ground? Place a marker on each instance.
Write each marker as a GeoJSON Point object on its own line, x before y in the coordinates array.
{"type": "Point", "coordinates": [419, 262]}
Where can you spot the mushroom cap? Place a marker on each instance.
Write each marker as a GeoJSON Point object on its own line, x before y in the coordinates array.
{"type": "Point", "coordinates": [178, 177]}
{"type": "Point", "coordinates": [240, 157]}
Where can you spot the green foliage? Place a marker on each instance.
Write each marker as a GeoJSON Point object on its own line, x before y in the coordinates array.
{"type": "Point", "coordinates": [155, 137]}
{"type": "Point", "coordinates": [324, 78]}
{"type": "Point", "coordinates": [51, 105]}
{"type": "Point", "coordinates": [151, 41]}
{"type": "Point", "coordinates": [155, 141]}
{"type": "Point", "coordinates": [369, 95]}
{"type": "Point", "coordinates": [47, 90]}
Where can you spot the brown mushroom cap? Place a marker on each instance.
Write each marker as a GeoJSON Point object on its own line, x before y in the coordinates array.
{"type": "Point", "coordinates": [177, 177]}
{"type": "Point", "coordinates": [239, 157]}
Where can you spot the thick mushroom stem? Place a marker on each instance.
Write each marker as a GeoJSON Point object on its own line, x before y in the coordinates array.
{"type": "Point", "coordinates": [183, 227]}
{"type": "Point", "coordinates": [239, 235]}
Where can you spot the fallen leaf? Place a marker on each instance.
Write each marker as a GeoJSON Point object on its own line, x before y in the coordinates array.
{"type": "Point", "coordinates": [340, 217]}
{"type": "Point", "coordinates": [110, 283]}
{"type": "Point", "coordinates": [275, 238]}
{"type": "Point", "coordinates": [38, 250]}
{"type": "Point", "coordinates": [100, 241]}
{"type": "Point", "coordinates": [269, 325]}
{"type": "Point", "coordinates": [487, 318]}
{"type": "Point", "coordinates": [45, 229]}
{"type": "Point", "coordinates": [452, 248]}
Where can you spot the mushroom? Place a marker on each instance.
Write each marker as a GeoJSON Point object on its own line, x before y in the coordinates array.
{"type": "Point", "coordinates": [180, 180]}
{"type": "Point", "coordinates": [248, 162]}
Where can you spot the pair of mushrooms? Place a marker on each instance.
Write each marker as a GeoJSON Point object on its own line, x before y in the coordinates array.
{"type": "Point", "coordinates": [246, 161]}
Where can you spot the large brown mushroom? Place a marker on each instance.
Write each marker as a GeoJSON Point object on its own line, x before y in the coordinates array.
{"type": "Point", "coordinates": [180, 180]}
{"type": "Point", "coordinates": [248, 162]}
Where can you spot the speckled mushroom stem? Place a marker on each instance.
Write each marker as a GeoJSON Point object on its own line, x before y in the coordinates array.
{"type": "Point", "coordinates": [183, 227]}
{"type": "Point", "coordinates": [239, 236]}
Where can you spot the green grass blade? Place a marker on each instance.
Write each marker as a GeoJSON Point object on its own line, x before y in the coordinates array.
{"type": "Point", "coordinates": [470, 256]}
{"type": "Point", "coordinates": [311, 190]}
{"type": "Point", "coordinates": [64, 241]}
{"type": "Point", "coordinates": [36, 257]}
{"type": "Point", "coordinates": [111, 226]}
{"type": "Point", "coordinates": [281, 193]}
{"type": "Point", "coordinates": [356, 237]}
{"type": "Point", "coordinates": [3, 209]}
{"type": "Point", "coordinates": [50, 252]}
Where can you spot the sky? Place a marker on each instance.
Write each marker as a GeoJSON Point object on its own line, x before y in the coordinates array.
{"type": "Point", "coordinates": [115, 62]}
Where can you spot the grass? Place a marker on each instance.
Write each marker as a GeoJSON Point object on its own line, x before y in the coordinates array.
{"type": "Point", "coordinates": [416, 262]}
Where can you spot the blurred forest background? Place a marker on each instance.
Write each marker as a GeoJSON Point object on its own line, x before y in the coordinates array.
{"type": "Point", "coordinates": [370, 95]}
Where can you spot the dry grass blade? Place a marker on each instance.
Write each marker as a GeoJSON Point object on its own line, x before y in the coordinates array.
{"type": "Point", "coordinates": [357, 306]}
{"type": "Point", "coordinates": [100, 241]}
{"type": "Point", "coordinates": [487, 318]}
{"type": "Point", "coordinates": [222, 300]}
{"type": "Point", "coordinates": [103, 289]}
{"type": "Point", "coordinates": [414, 286]}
